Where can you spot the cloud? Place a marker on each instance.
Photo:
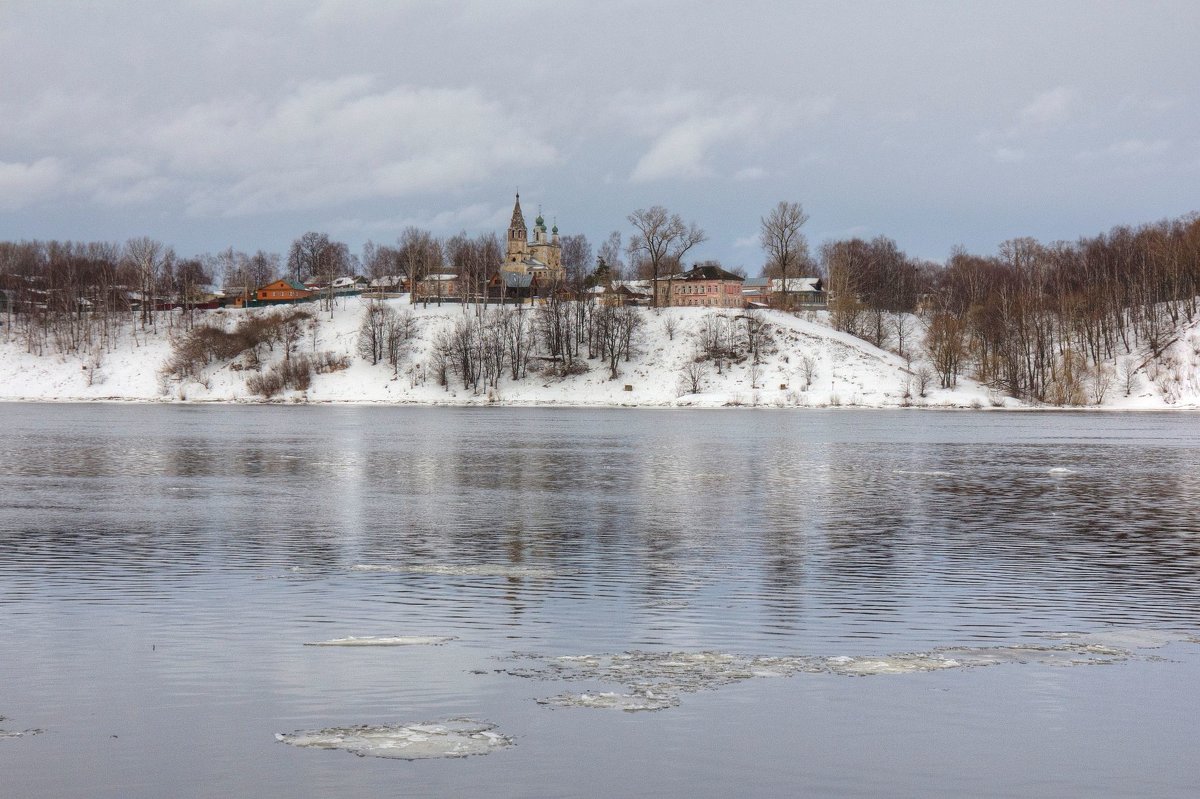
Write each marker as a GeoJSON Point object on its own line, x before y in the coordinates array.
{"type": "Point", "coordinates": [477, 216]}
{"type": "Point", "coordinates": [319, 143]}
{"type": "Point", "coordinates": [750, 173]}
{"type": "Point", "coordinates": [1048, 109]}
{"type": "Point", "coordinates": [338, 141]}
{"type": "Point", "coordinates": [1128, 149]}
{"type": "Point", "coordinates": [681, 151]}
{"type": "Point", "coordinates": [23, 184]}
{"type": "Point", "coordinates": [687, 128]}
{"type": "Point", "coordinates": [1009, 155]}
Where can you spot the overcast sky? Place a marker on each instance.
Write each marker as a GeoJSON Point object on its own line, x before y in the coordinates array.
{"type": "Point", "coordinates": [219, 124]}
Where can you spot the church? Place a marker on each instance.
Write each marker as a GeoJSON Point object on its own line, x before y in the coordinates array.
{"type": "Point", "coordinates": [540, 257]}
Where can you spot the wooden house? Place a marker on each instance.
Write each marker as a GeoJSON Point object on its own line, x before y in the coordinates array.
{"type": "Point", "coordinates": [283, 290]}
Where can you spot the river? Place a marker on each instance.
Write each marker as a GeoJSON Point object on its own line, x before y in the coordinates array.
{"type": "Point", "coordinates": [775, 603]}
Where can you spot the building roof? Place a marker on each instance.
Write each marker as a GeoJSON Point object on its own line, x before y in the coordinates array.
{"type": "Point", "coordinates": [292, 284]}
{"type": "Point", "coordinates": [387, 280]}
{"type": "Point", "coordinates": [711, 272]}
{"type": "Point", "coordinates": [797, 284]}
{"type": "Point", "coordinates": [516, 280]}
{"type": "Point", "coordinates": [642, 286]}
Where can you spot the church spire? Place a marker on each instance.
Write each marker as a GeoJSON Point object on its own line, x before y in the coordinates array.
{"type": "Point", "coordinates": [518, 219]}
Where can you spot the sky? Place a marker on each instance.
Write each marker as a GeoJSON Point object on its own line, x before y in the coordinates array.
{"type": "Point", "coordinates": [939, 124]}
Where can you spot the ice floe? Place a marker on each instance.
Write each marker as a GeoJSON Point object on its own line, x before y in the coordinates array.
{"type": "Point", "coordinates": [458, 737]}
{"type": "Point", "coordinates": [453, 570]}
{"type": "Point", "coordinates": [8, 734]}
{"type": "Point", "coordinates": [1060, 470]}
{"type": "Point", "coordinates": [631, 703]}
{"type": "Point", "coordinates": [663, 676]}
{"type": "Point", "coordinates": [385, 640]}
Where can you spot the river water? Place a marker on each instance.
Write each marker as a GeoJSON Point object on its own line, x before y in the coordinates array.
{"type": "Point", "coordinates": [823, 603]}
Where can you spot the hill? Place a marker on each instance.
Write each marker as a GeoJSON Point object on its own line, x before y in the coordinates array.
{"type": "Point", "coordinates": [678, 357]}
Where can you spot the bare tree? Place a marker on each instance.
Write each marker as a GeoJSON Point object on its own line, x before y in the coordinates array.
{"type": "Point", "coordinates": [662, 238]}
{"type": "Point", "coordinates": [1128, 374]}
{"type": "Point", "coordinates": [372, 331]}
{"type": "Point", "coordinates": [148, 257]}
{"type": "Point", "coordinates": [1099, 382]}
{"type": "Point", "coordinates": [419, 255]}
{"type": "Point", "coordinates": [808, 370]}
{"type": "Point", "coordinates": [757, 333]}
{"type": "Point", "coordinates": [693, 374]}
{"type": "Point", "coordinates": [783, 242]}
{"type": "Point", "coordinates": [609, 254]}
{"type": "Point", "coordinates": [924, 376]}
{"type": "Point", "coordinates": [576, 259]}
{"type": "Point", "coordinates": [306, 255]}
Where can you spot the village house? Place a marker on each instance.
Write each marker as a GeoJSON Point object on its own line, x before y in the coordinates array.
{"type": "Point", "coordinates": [388, 284]}
{"type": "Point", "coordinates": [437, 286]}
{"type": "Point", "coordinates": [349, 284]}
{"type": "Point", "coordinates": [622, 292]}
{"type": "Point", "coordinates": [802, 292]}
{"type": "Point", "coordinates": [282, 290]}
{"type": "Point", "coordinates": [706, 285]}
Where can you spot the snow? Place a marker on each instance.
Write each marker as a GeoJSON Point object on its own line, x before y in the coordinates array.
{"type": "Point", "coordinates": [849, 372]}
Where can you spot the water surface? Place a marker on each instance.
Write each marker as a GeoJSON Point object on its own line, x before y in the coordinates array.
{"type": "Point", "coordinates": [161, 569]}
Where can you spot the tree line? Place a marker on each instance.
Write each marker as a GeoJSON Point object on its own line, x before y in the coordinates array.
{"type": "Point", "coordinates": [1033, 320]}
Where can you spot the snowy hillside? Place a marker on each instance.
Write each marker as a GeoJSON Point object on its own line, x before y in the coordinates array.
{"type": "Point", "coordinates": [807, 365]}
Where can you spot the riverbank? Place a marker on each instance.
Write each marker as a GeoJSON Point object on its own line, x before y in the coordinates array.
{"type": "Point", "coordinates": [804, 363]}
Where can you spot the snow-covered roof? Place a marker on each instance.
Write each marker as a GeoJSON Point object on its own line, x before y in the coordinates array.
{"type": "Point", "coordinates": [642, 286]}
{"type": "Point", "coordinates": [387, 280]}
{"type": "Point", "coordinates": [797, 284]}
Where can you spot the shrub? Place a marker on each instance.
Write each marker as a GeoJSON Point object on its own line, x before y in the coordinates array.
{"type": "Point", "coordinates": [295, 374]}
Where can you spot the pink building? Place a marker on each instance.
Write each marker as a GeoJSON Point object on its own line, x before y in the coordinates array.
{"type": "Point", "coordinates": [706, 286]}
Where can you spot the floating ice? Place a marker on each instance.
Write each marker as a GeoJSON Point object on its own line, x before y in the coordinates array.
{"type": "Point", "coordinates": [385, 640]}
{"type": "Point", "coordinates": [452, 570]}
{"type": "Point", "coordinates": [1130, 639]}
{"type": "Point", "coordinates": [630, 703]}
{"type": "Point", "coordinates": [665, 675]}
{"type": "Point", "coordinates": [8, 734]}
{"type": "Point", "coordinates": [458, 737]}
{"type": "Point", "coordinates": [1060, 470]}
{"type": "Point", "coordinates": [931, 473]}
{"type": "Point", "coordinates": [895, 664]}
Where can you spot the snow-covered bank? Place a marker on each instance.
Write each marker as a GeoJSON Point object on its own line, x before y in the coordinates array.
{"type": "Point", "coordinates": [808, 365]}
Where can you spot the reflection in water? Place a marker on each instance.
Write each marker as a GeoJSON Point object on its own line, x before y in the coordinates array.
{"type": "Point", "coordinates": [175, 560]}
